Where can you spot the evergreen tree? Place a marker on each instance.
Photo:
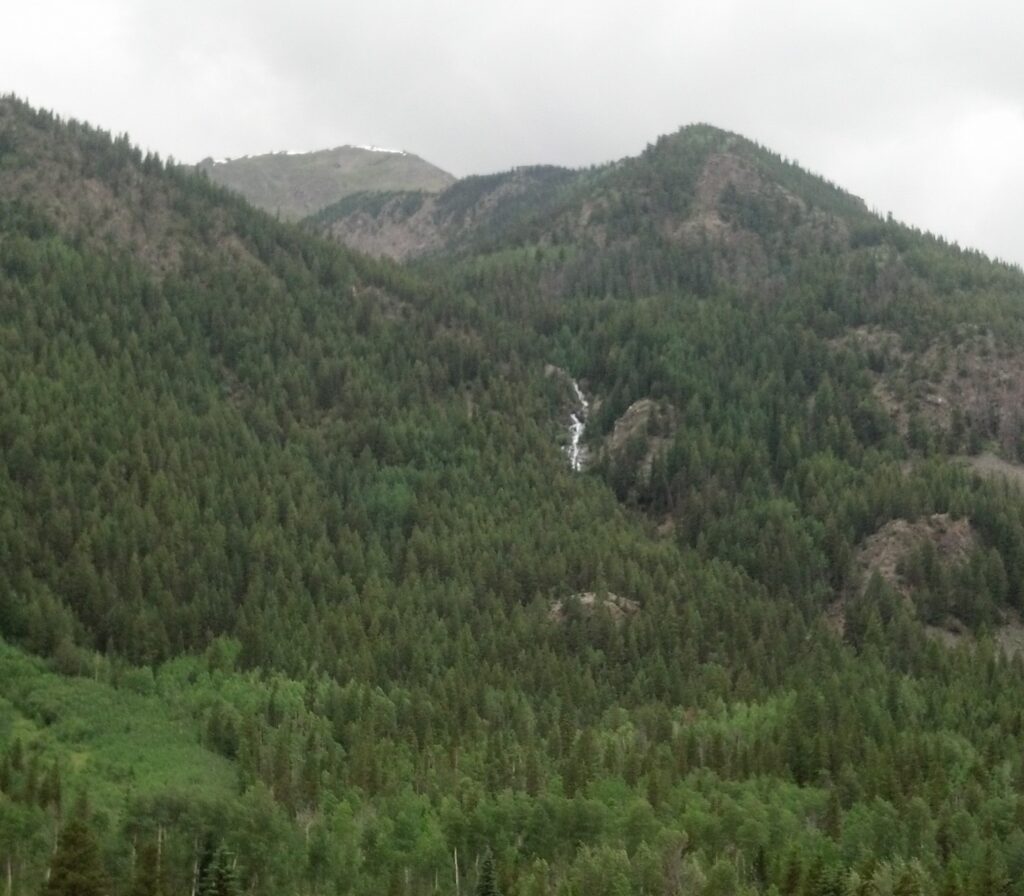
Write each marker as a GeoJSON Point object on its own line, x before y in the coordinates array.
{"type": "Point", "coordinates": [220, 877]}
{"type": "Point", "coordinates": [77, 868]}
{"type": "Point", "coordinates": [148, 877]}
{"type": "Point", "coordinates": [487, 884]}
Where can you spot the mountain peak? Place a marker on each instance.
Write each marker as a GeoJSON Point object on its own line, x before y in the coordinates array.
{"type": "Point", "coordinates": [295, 184]}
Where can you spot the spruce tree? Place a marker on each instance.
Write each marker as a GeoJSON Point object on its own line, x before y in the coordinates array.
{"type": "Point", "coordinates": [147, 879]}
{"type": "Point", "coordinates": [220, 877]}
{"type": "Point", "coordinates": [77, 869]}
{"type": "Point", "coordinates": [487, 884]}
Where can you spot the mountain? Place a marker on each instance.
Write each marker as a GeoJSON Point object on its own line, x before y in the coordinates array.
{"type": "Point", "coordinates": [303, 592]}
{"type": "Point", "coordinates": [706, 211]}
{"type": "Point", "coordinates": [295, 184]}
{"type": "Point", "coordinates": [698, 184]}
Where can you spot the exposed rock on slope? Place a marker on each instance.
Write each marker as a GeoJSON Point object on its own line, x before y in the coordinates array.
{"type": "Point", "coordinates": [966, 388]}
{"type": "Point", "coordinates": [619, 608]}
{"type": "Point", "coordinates": [406, 225]}
{"type": "Point", "coordinates": [643, 432]}
{"type": "Point", "coordinates": [883, 552]}
{"type": "Point", "coordinates": [954, 542]}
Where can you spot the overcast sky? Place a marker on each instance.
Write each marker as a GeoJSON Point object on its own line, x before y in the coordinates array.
{"type": "Point", "coordinates": [916, 106]}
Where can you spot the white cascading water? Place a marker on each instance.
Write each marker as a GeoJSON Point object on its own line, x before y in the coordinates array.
{"type": "Point", "coordinates": [575, 450]}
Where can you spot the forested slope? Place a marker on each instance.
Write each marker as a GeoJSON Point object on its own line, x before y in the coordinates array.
{"type": "Point", "coordinates": [309, 510]}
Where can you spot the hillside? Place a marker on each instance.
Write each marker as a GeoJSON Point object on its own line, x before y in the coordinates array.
{"type": "Point", "coordinates": [295, 185]}
{"type": "Point", "coordinates": [303, 517]}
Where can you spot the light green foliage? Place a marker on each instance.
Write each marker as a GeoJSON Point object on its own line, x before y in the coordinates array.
{"type": "Point", "coordinates": [111, 739]}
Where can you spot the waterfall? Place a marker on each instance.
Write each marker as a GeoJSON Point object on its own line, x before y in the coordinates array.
{"type": "Point", "coordinates": [575, 450]}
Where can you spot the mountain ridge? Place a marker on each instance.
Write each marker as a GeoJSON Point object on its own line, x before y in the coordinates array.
{"type": "Point", "coordinates": [297, 184]}
{"type": "Point", "coordinates": [709, 158]}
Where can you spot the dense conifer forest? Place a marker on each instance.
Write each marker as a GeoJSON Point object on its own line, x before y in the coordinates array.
{"type": "Point", "coordinates": [292, 555]}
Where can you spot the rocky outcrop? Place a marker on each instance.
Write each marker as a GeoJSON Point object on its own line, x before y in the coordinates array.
{"type": "Point", "coordinates": [641, 434]}
{"type": "Point", "coordinates": [883, 552]}
{"type": "Point", "coordinates": [589, 602]}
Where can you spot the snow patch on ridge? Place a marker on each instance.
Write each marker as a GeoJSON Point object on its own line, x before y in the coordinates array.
{"type": "Point", "coordinates": [370, 148]}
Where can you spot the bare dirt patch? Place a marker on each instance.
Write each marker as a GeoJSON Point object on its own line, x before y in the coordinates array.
{"type": "Point", "coordinates": [950, 634]}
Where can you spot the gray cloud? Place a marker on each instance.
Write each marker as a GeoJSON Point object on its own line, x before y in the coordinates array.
{"type": "Point", "coordinates": [918, 107]}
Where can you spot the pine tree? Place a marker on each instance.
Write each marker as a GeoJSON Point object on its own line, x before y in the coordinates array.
{"type": "Point", "coordinates": [220, 877]}
{"type": "Point", "coordinates": [487, 884]}
{"type": "Point", "coordinates": [77, 869]}
{"type": "Point", "coordinates": [147, 880]}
